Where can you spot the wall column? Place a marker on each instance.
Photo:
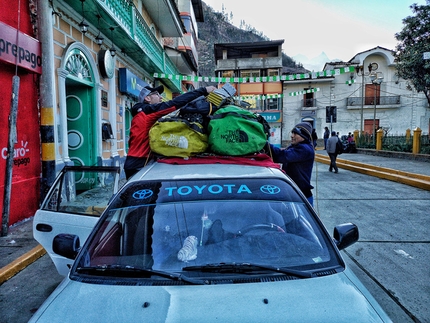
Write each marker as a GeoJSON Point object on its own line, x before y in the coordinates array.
{"type": "Point", "coordinates": [47, 92]}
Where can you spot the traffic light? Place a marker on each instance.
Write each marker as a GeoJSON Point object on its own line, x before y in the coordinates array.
{"type": "Point", "coordinates": [330, 114]}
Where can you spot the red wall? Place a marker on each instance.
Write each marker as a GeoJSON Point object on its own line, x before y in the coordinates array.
{"type": "Point", "coordinates": [26, 171]}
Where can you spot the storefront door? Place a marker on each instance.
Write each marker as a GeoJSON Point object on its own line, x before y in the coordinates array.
{"type": "Point", "coordinates": [81, 124]}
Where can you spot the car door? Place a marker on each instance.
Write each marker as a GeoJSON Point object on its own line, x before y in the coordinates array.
{"type": "Point", "coordinates": [73, 205]}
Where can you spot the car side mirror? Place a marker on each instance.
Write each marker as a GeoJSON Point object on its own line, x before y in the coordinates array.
{"type": "Point", "coordinates": [66, 245]}
{"type": "Point", "coordinates": [345, 235]}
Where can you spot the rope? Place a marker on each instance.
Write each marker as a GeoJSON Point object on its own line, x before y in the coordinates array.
{"type": "Point", "coordinates": [316, 203]}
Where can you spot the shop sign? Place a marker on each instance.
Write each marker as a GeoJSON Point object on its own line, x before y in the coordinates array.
{"type": "Point", "coordinates": [20, 49]}
{"type": "Point", "coordinates": [272, 116]}
{"type": "Point", "coordinates": [21, 154]}
{"type": "Point", "coordinates": [129, 83]}
{"type": "Point", "coordinates": [308, 113]}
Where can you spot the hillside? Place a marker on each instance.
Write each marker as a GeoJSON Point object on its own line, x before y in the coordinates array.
{"type": "Point", "coordinates": [216, 29]}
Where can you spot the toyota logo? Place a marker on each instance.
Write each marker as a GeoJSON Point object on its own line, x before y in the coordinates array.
{"type": "Point", "coordinates": [270, 189]}
{"type": "Point", "coordinates": [142, 194]}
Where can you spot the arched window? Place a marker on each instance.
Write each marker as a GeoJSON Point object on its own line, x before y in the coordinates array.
{"type": "Point", "coordinates": [78, 66]}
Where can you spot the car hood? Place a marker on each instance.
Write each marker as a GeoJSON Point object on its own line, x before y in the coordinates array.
{"type": "Point", "coordinates": [334, 298]}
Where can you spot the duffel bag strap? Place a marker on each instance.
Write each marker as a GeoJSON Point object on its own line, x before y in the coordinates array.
{"type": "Point", "coordinates": [234, 114]}
{"type": "Point", "coordinates": [191, 125]}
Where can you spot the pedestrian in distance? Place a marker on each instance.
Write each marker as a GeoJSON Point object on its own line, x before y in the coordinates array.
{"type": "Point", "coordinates": [298, 158]}
{"type": "Point", "coordinates": [326, 136]}
{"type": "Point", "coordinates": [145, 113]}
{"type": "Point", "coordinates": [314, 138]}
{"type": "Point", "coordinates": [334, 148]}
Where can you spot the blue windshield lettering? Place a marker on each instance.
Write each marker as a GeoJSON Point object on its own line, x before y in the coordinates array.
{"type": "Point", "coordinates": [200, 189]}
{"type": "Point", "coordinates": [215, 189]}
{"type": "Point", "coordinates": [212, 189]}
{"type": "Point", "coordinates": [244, 189]}
{"type": "Point", "coordinates": [184, 190]}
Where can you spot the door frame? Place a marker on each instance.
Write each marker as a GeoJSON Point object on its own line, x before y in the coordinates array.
{"type": "Point", "coordinates": [63, 72]}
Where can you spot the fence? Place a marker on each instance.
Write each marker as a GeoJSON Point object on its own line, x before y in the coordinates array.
{"type": "Point", "coordinates": [403, 143]}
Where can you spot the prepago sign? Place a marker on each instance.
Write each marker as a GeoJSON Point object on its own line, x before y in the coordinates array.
{"type": "Point", "coordinates": [20, 154]}
{"type": "Point", "coordinates": [19, 48]}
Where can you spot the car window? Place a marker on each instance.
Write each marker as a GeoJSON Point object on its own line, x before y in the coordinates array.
{"type": "Point", "coordinates": [169, 225]}
{"type": "Point", "coordinates": [82, 190]}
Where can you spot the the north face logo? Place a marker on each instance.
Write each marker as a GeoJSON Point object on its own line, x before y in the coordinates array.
{"type": "Point", "coordinates": [234, 136]}
{"type": "Point", "coordinates": [175, 141]}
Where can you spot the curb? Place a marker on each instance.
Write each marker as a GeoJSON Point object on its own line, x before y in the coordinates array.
{"type": "Point", "coordinates": [20, 263]}
{"type": "Point", "coordinates": [411, 179]}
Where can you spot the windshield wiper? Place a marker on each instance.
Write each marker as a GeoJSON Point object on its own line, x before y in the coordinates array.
{"type": "Point", "coordinates": [126, 270]}
{"type": "Point", "coordinates": [233, 267]}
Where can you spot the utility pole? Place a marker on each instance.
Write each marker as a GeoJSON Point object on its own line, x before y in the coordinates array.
{"type": "Point", "coordinates": [9, 160]}
{"type": "Point", "coordinates": [47, 114]}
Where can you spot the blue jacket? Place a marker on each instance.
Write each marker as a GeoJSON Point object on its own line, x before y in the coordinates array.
{"type": "Point", "coordinates": [297, 162]}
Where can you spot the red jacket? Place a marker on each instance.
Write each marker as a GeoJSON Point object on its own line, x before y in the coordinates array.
{"type": "Point", "coordinates": [139, 132]}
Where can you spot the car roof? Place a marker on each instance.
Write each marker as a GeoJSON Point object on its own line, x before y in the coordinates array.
{"type": "Point", "coordinates": [163, 171]}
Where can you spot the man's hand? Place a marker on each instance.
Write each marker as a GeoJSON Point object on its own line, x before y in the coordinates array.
{"type": "Point", "coordinates": [210, 89]}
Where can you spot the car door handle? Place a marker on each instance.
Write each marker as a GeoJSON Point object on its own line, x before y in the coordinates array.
{"type": "Point", "coordinates": [42, 227]}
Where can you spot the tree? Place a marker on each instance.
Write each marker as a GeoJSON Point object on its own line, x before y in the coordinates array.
{"type": "Point", "coordinates": [414, 41]}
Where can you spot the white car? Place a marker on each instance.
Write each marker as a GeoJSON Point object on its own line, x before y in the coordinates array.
{"type": "Point", "coordinates": [207, 242]}
{"type": "Point", "coordinates": [74, 204]}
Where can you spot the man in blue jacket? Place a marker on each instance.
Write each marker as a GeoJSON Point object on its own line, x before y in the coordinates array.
{"type": "Point", "coordinates": [298, 158]}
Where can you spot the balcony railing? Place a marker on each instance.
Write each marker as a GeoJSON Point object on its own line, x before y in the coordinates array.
{"type": "Point", "coordinates": [133, 35]}
{"type": "Point", "coordinates": [382, 100]}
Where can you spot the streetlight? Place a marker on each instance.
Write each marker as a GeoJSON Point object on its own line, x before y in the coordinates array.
{"type": "Point", "coordinates": [376, 79]}
{"type": "Point", "coordinates": [83, 24]}
{"type": "Point", "coordinates": [370, 67]}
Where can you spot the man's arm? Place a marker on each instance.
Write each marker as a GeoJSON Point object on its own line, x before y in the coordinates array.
{"type": "Point", "coordinates": [294, 154]}
{"type": "Point", "coordinates": [177, 102]}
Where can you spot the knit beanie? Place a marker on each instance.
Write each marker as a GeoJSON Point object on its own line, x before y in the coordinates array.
{"type": "Point", "coordinates": [304, 130]}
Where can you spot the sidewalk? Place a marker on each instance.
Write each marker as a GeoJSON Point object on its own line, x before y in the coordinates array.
{"type": "Point", "coordinates": [410, 172]}
{"type": "Point", "coordinates": [18, 249]}
{"type": "Point", "coordinates": [411, 166]}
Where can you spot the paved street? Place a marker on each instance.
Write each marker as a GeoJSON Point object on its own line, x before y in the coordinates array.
{"type": "Point", "coordinates": [391, 257]}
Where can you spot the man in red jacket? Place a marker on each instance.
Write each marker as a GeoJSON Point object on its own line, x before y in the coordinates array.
{"type": "Point", "coordinates": [145, 113]}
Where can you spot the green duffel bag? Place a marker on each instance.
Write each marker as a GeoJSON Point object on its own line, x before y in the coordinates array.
{"type": "Point", "coordinates": [177, 137]}
{"type": "Point", "coordinates": [234, 131]}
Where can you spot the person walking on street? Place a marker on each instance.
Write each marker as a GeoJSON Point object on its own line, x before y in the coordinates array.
{"type": "Point", "coordinates": [314, 138]}
{"type": "Point", "coordinates": [326, 136]}
{"type": "Point", "coordinates": [145, 113]}
{"type": "Point", "coordinates": [333, 150]}
{"type": "Point", "coordinates": [298, 158]}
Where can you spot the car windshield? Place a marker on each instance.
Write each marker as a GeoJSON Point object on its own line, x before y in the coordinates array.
{"type": "Point", "coordinates": [171, 225]}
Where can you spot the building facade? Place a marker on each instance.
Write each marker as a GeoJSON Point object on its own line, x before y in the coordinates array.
{"type": "Point", "coordinates": [254, 69]}
{"type": "Point", "coordinates": [363, 93]}
{"type": "Point", "coordinates": [21, 67]}
{"type": "Point", "coordinates": [95, 56]}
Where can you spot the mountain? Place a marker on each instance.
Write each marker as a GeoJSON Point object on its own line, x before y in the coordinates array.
{"type": "Point", "coordinates": [216, 28]}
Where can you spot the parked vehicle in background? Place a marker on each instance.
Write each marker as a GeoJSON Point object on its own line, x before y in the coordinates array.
{"type": "Point", "coordinates": [208, 242]}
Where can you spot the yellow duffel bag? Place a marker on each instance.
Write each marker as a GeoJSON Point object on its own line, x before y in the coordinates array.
{"type": "Point", "coordinates": [177, 137]}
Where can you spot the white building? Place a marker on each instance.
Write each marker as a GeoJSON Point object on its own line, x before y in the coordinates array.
{"type": "Point", "coordinates": [360, 104]}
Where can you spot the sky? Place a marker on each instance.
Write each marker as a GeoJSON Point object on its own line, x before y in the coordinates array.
{"type": "Point", "coordinates": [339, 28]}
